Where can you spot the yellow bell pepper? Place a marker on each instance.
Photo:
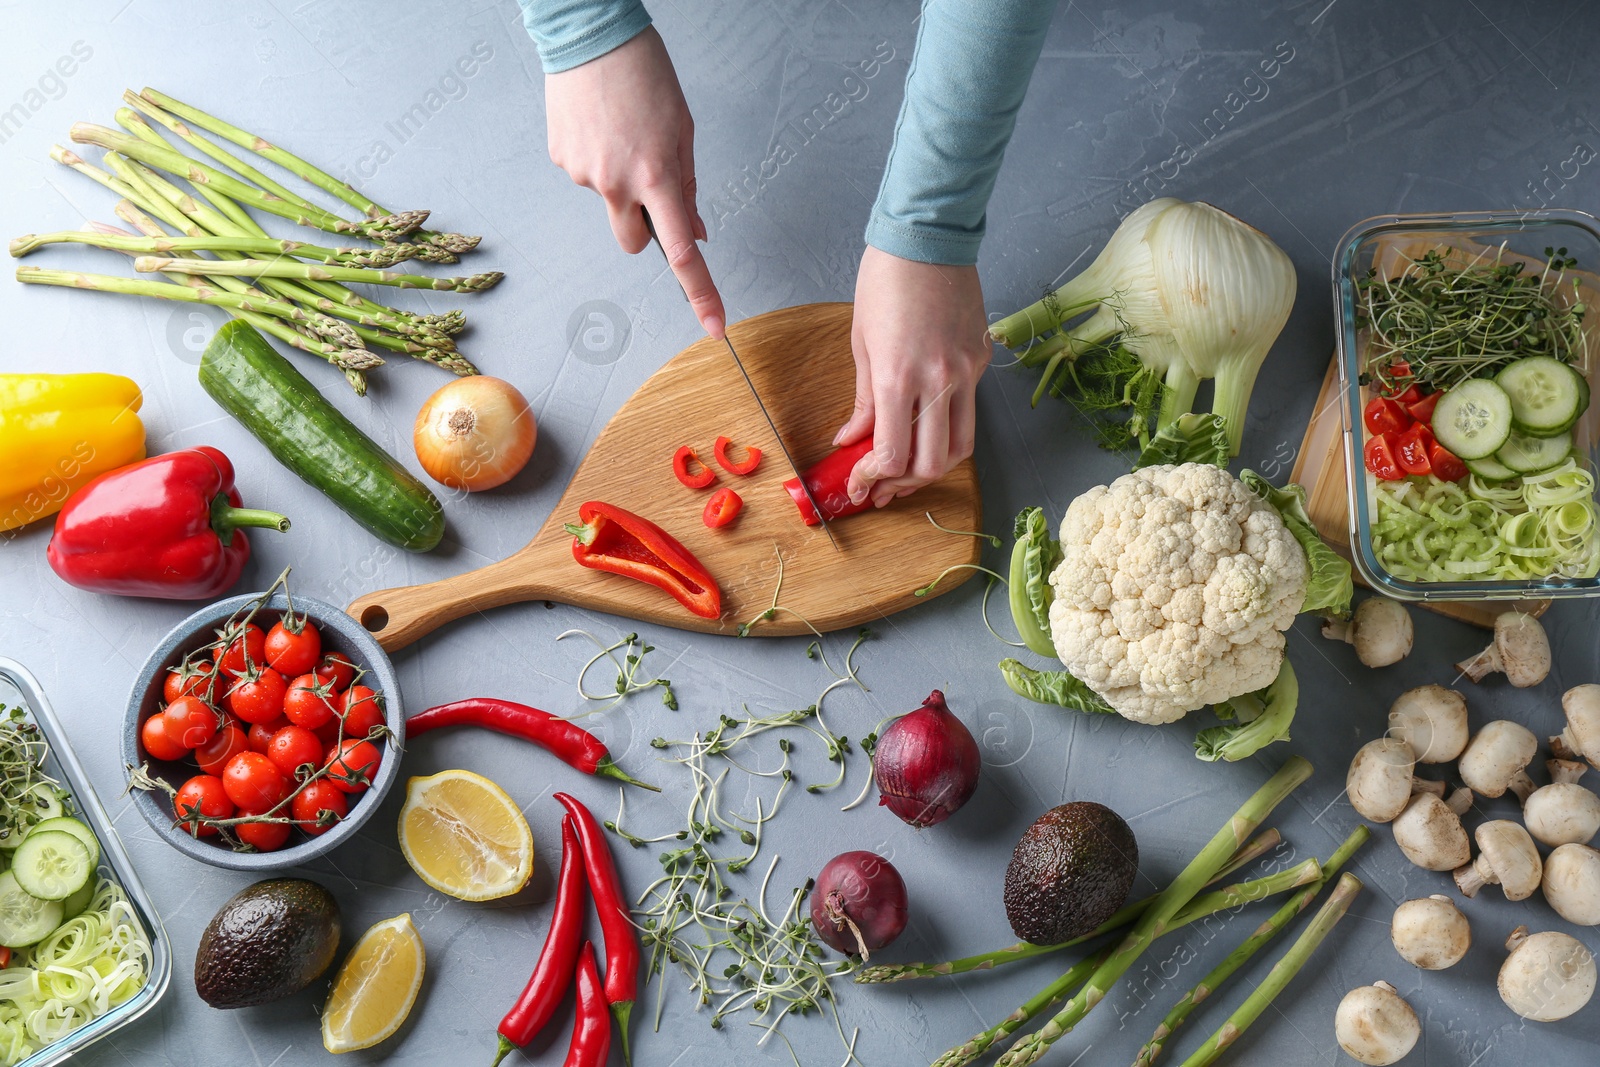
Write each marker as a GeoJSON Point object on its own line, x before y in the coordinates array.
{"type": "Point", "coordinates": [58, 431]}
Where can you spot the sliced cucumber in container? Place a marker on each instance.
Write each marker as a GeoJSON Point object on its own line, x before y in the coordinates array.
{"type": "Point", "coordinates": [52, 864]}
{"type": "Point", "coordinates": [1529, 455]}
{"type": "Point", "coordinates": [24, 918]}
{"type": "Point", "coordinates": [67, 824]}
{"type": "Point", "coordinates": [1547, 396]}
{"type": "Point", "coordinates": [1473, 419]}
{"type": "Point", "coordinates": [1490, 469]}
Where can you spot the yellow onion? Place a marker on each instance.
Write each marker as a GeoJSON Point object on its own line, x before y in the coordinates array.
{"type": "Point", "coordinates": [475, 433]}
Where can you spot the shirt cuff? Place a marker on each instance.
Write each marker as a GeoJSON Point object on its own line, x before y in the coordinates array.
{"type": "Point", "coordinates": [571, 38]}
{"type": "Point", "coordinates": [922, 244]}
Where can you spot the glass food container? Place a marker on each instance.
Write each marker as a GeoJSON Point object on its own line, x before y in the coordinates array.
{"type": "Point", "coordinates": [1386, 242]}
{"type": "Point", "coordinates": [19, 688]}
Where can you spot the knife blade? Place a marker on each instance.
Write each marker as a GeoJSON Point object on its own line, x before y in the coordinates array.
{"type": "Point", "coordinates": [761, 404]}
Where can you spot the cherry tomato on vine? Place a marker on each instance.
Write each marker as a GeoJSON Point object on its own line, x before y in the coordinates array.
{"type": "Point", "coordinates": [229, 741]}
{"type": "Point", "coordinates": [329, 732]}
{"type": "Point", "coordinates": [195, 681]}
{"type": "Point", "coordinates": [310, 701]}
{"type": "Point", "coordinates": [260, 734]}
{"type": "Point", "coordinates": [337, 668]}
{"type": "Point", "coordinates": [203, 794]}
{"type": "Point", "coordinates": [191, 721]}
{"type": "Point", "coordinates": [254, 783]}
{"type": "Point", "coordinates": [353, 765]}
{"type": "Point", "coordinates": [158, 739]}
{"type": "Point", "coordinates": [258, 698]}
{"type": "Point", "coordinates": [263, 836]}
{"type": "Point", "coordinates": [290, 650]}
{"type": "Point", "coordinates": [309, 804]}
{"type": "Point", "coordinates": [245, 650]}
{"type": "Point", "coordinates": [362, 710]}
{"type": "Point", "coordinates": [293, 747]}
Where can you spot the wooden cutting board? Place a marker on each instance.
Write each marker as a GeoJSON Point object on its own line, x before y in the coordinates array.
{"type": "Point", "coordinates": [799, 359]}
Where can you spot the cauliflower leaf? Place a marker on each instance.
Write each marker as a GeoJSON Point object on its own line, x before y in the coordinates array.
{"type": "Point", "coordinates": [1052, 687]}
{"type": "Point", "coordinates": [1329, 585]}
{"type": "Point", "coordinates": [1259, 719]}
{"type": "Point", "coordinates": [1192, 439]}
{"type": "Point", "coordinates": [1033, 557]}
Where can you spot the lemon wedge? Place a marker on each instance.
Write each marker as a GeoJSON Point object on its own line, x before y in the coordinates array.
{"type": "Point", "coordinates": [376, 987]}
{"type": "Point", "coordinates": [464, 836]}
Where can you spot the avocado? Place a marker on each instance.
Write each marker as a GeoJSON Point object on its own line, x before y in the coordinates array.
{"type": "Point", "coordinates": [1070, 872]}
{"type": "Point", "coordinates": [271, 940]}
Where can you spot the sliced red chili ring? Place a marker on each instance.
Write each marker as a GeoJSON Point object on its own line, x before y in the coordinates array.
{"type": "Point", "coordinates": [723, 507]}
{"type": "Point", "coordinates": [680, 467]}
{"type": "Point", "coordinates": [750, 463]}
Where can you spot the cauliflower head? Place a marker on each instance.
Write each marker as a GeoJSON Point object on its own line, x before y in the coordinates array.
{"type": "Point", "coordinates": [1174, 590]}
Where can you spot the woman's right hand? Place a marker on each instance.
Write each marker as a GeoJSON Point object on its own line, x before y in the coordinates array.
{"type": "Point", "coordinates": [619, 125]}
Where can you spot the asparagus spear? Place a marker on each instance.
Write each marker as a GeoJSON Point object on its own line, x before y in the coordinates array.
{"type": "Point", "coordinates": [451, 242]}
{"type": "Point", "coordinates": [383, 256]}
{"type": "Point", "coordinates": [1022, 950]}
{"type": "Point", "coordinates": [1157, 918]}
{"type": "Point", "coordinates": [1252, 944]}
{"type": "Point", "coordinates": [260, 268]}
{"type": "Point", "coordinates": [1282, 973]}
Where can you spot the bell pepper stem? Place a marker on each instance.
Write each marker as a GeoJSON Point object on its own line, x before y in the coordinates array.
{"type": "Point", "coordinates": [225, 518]}
{"type": "Point", "coordinates": [608, 768]}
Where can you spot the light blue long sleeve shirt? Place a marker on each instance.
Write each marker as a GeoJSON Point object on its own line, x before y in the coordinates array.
{"type": "Point", "coordinates": [968, 77]}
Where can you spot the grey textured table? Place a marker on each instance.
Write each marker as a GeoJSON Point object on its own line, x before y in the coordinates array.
{"type": "Point", "coordinates": [1372, 108]}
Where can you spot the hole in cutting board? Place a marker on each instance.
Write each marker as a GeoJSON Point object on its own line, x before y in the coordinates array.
{"type": "Point", "coordinates": [375, 618]}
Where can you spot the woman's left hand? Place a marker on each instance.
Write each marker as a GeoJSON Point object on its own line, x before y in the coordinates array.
{"type": "Point", "coordinates": [921, 341]}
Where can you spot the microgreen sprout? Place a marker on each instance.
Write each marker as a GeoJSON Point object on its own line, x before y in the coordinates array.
{"type": "Point", "coordinates": [994, 541]}
{"type": "Point", "coordinates": [925, 590]}
{"type": "Point", "coordinates": [629, 669]}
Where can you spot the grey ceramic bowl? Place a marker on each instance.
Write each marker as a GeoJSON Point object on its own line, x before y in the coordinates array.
{"type": "Point", "coordinates": [340, 633]}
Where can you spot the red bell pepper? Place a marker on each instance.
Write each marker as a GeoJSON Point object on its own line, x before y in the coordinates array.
{"type": "Point", "coordinates": [723, 507]}
{"type": "Point", "coordinates": [170, 527]}
{"type": "Point", "coordinates": [680, 469]}
{"type": "Point", "coordinates": [752, 459]}
{"type": "Point", "coordinates": [607, 538]}
{"type": "Point", "coordinates": [827, 480]}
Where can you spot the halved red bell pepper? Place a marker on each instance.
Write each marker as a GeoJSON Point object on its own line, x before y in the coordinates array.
{"type": "Point", "coordinates": [680, 467]}
{"type": "Point", "coordinates": [723, 507]}
{"type": "Point", "coordinates": [751, 461]}
{"type": "Point", "coordinates": [607, 538]}
{"type": "Point", "coordinates": [827, 481]}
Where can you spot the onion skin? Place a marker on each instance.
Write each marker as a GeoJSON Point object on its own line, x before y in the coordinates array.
{"type": "Point", "coordinates": [475, 433]}
{"type": "Point", "coordinates": [926, 764]}
{"type": "Point", "coordinates": [859, 903]}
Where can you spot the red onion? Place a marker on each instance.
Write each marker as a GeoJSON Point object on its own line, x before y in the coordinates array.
{"type": "Point", "coordinates": [858, 903]}
{"type": "Point", "coordinates": [926, 764]}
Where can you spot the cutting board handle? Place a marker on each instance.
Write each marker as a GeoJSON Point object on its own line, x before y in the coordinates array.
{"type": "Point", "coordinates": [397, 617]}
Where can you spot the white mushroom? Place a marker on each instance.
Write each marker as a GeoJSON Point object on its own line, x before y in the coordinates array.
{"type": "Point", "coordinates": [1430, 933]}
{"type": "Point", "coordinates": [1572, 884]}
{"type": "Point", "coordinates": [1380, 782]}
{"type": "Point", "coordinates": [1563, 812]}
{"type": "Point", "coordinates": [1375, 1025]}
{"type": "Point", "coordinates": [1432, 720]}
{"type": "Point", "coordinates": [1581, 738]}
{"type": "Point", "coordinates": [1507, 857]}
{"type": "Point", "coordinates": [1520, 649]}
{"type": "Point", "coordinates": [1380, 630]}
{"type": "Point", "coordinates": [1548, 975]}
{"type": "Point", "coordinates": [1429, 831]}
{"type": "Point", "coordinates": [1497, 760]}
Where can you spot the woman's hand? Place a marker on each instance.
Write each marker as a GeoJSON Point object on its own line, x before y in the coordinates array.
{"type": "Point", "coordinates": [619, 125]}
{"type": "Point", "coordinates": [921, 341]}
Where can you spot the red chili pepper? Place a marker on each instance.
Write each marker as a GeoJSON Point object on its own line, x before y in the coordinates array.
{"type": "Point", "coordinates": [608, 538]}
{"type": "Point", "coordinates": [553, 973]}
{"type": "Point", "coordinates": [568, 741]}
{"type": "Point", "coordinates": [591, 1030]}
{"type": "Point", "coordinates": [751, 461]}
{"type": "Point", "coordinates": [1445, 464]}
{"type": "Point", "coordinates": [621, 939]}
{"type": "Point", "coordinates": [828, 480]}
{"type": "Point", "coordinates": [169, 527]}
{"type": "Point", "coordinates": [1379, 457]}
{"type": "Point", "coordinates": [1411, 450]}
{"type": "Point", "coordinates": [680, 467]}
{"type": "Point", "coordinates": [723, 507]}
{"type": "Point", "coordinates": [1382, 415]}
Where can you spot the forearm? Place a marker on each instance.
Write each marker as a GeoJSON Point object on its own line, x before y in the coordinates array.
{"type": "Point", "coordinates": [968, 77]}
{"type": "Point", "coordinates": [569, 33]}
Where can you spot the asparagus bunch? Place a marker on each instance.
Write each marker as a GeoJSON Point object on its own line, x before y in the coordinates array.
{"type": "Point", "coordinates": [203, 240]}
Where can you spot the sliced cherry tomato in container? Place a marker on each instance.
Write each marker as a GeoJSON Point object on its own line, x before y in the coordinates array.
{"type": "Point", "coordinates": [1408, 396]}
{"type": "Point", "coordinates": [1411, 450]}
{"type": "Point", "coordinates": [723, 507]}
{"type": "Point", "coordinates": [751, 461]}
{"type": "Point", "coordinates": [1445, 464]}
{"type": "Point", "coordinates": [1422, 410]}
{"type": "Point", "coordinates": [1382, 415]}
{"type": "Point", "coordinates": [1379, 457]}
{"type": "Point", "coordinates": [680, 467]}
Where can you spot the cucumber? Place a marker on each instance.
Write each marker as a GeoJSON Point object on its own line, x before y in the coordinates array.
{"type": "Point", "coordinates": [1472, 419]}
{"type": "Point", "coordinates": [52, 865]}
{"type": "Point", "coordinates": [67, 824]}
{"type": "Point", "coordinates": [275, 402]}
{"type": "Point", "coordinates": [79, 902]}
{"type": "Point", "coordinates": [24, 918]}
{"type": "Point", "coordinates": [1528, 455]}
{"type": "Point", "coordinates": [1490, 469]}
{"type": "Point", "coordinates": [39, 804]}
{"type": "Point", "coordinates": [1547, 396]}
